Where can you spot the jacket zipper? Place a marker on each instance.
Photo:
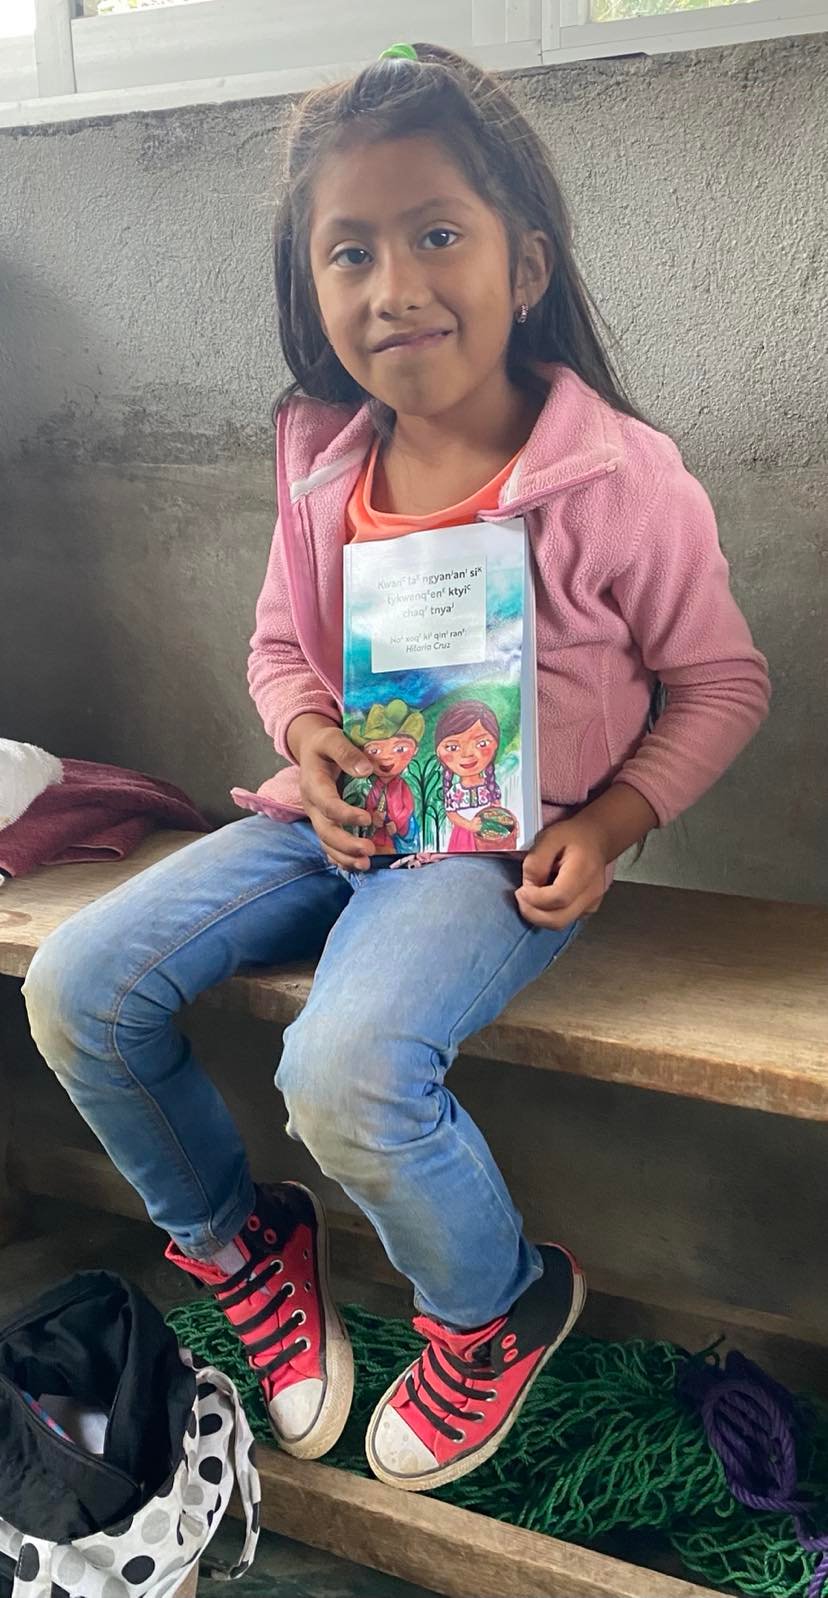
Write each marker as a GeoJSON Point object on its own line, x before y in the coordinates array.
{"type": "Point", "coordinates": [337, 698]}
{"type": "Point", "coordinates": [518, 506]}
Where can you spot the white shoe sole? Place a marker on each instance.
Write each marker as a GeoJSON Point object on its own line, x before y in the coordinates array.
{"type": "Point", "coordinates": [339, 1360]}
{"type": "Point", "coordinates": [470, 1462]}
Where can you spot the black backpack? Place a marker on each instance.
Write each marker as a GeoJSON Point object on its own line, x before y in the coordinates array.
{"type": "Point", "coordinates": [134, 1518]}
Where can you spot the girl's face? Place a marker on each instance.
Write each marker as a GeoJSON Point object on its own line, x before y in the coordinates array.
{"type": "Point", "coordinates": [468, 754]}
{"type": "Point", "coordinates": [412, 275]}
{"type": "Point", "coordinates": [390, 756]}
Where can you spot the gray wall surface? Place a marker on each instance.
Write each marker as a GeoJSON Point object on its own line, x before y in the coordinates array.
{"type": "Point", "coordinates": [138, 360]}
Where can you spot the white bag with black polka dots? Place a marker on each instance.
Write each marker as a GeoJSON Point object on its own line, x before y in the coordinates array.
{"type": "Point", "coordinates": [149, 1555]}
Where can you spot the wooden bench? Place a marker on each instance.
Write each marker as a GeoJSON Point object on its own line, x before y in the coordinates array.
{"type": "Point", "coordinates": [702, 995]}
{"type": "Point", "coordinates": [697, 996]}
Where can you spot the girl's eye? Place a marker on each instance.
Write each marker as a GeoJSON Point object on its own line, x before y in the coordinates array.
{"type": "Point", "coordinates": [439, 238]}
{"type": "Point", "coordinates": [451, 749]}
{"type": "Point", "coordinates": [351, 255]}
{"type": "Point", "coordinates": [484, 743]}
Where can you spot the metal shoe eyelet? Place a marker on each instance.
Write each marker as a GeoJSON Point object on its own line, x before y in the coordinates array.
{"type": "Point", "coordinates": [254, 1224]}
{"type": "Point", "coordinates": [476, 1417]}
{"type": "Point", "coordinates": [269, 1235]}
{"type": "Point", "coordinates": [289, 1289]}
{"type": "Point", "coordinates": [302, 1346]}
{"type": "Point", "coordinates": [301, 1317]}
{"type": "Point", "coordinates": [308, 1287]}
{"type": "Point", "coordinates": [460, 1437]}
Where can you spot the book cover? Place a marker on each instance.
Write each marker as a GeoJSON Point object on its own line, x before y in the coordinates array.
{"type": "Point", "coordinates": [440, 689]}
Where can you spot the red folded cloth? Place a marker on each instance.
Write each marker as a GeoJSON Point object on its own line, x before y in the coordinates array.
{"type": "Point", "coordinates": [96, 813]}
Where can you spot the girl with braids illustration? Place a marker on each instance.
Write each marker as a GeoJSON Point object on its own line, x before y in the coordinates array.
{"type": "Point", "coordinates": [467, 738]}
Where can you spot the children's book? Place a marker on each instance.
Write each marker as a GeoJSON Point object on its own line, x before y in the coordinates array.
{"type": "Point", "coordinates": [440, 689]}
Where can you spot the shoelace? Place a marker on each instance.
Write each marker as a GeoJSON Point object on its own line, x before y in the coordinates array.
{"type": "Point", "coordinates": [468, 1387]}
{"type": "Point", "coordinates": [239, 1287]}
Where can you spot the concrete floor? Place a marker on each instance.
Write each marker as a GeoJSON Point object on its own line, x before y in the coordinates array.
{"type": "Point", "coordinates": [59, 1239]}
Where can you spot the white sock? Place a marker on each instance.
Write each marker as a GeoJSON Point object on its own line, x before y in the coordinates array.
{"type": "Point", "coordinates": [229, 1259]}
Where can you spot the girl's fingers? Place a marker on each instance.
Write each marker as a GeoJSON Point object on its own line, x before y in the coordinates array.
{"type": "Point", "coordinates": [553, 920]}
{"type": "Point", "coordinates": [321, 794]}
{"type": "Point", "coordinates": [348, 865]}
{"type": "Point", "coordinates": [541, 860]}
{"type": "Point", "coordinates": [333, 745]}
{"type": "Point", "coordinates": [341, 815]}
{"type": "Point", "coordinates": [557, 920]}
{"type": "Point", "coordinates": [560, 895]}
{"type": "Point", "coordinates": [542, 898]}
{"type": "Point", "coordinates": [340, 843]}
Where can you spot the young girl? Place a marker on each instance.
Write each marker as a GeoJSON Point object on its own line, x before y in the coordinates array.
{"type": "Point", "coordinates": [447, 367]}
{"type": "Point", "coordinates": [467, 738]}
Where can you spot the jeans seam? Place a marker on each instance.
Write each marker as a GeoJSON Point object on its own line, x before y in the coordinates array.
{"type": "Point", "coordinates": [482, 1169]}
{"type": "Point", "coordinates": [113, 1019]}
{"type": "Point", "coordinates": [515, 949]}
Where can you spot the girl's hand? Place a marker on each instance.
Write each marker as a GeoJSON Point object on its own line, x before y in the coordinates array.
{"type": "Point", "coordinates": [322, 752]}
{"type": "Point", "coordinates": [564, 875]}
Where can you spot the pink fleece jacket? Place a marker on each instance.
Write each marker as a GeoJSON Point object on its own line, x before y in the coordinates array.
{"type": "Point", "coordinates": [632, 586]}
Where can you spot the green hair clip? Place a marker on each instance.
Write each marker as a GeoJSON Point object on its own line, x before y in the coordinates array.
{"type": "Point", "coordinates": [399, 52]}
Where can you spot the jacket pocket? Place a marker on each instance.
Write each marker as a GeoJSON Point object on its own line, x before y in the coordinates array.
{"type": "Point", "coordinates": [574, 760]}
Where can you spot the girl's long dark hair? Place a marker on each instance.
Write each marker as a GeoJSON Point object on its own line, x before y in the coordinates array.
{"type": "Point", "coordinates": [473, 117]}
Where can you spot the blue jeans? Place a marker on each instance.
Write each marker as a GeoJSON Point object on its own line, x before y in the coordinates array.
{"type": "Point", "coordinates": [412, 962]}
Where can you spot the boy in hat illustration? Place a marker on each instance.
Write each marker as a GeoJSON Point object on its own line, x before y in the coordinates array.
{"type": "Point", "coordinates": [390, 735]}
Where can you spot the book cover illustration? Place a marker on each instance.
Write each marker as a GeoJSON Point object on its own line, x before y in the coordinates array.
{"type": "Point", "coordinates": [440, 691]}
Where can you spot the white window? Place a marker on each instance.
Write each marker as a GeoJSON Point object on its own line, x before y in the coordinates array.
{"type": "Point", "coordinates": [113, 8]}
{"type": "Point", "coordinates": [90, 57]}
{"type": "Point", "coordinates": [579, 28]}
{"type": "Point", "coordinates": [18, 74]}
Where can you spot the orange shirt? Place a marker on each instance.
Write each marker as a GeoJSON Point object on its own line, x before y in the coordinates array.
{"type": "Point", "coordinates": [363, 522]}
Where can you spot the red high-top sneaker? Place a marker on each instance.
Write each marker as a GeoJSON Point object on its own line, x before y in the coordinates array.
{"type": "Point", "coordinates": [279, 1304]}
{"type": "Point", "coordinates": [453, 1407]}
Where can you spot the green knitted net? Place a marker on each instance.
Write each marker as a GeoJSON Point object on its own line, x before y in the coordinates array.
{"type": "Point", "coordinates": [602, 1445]}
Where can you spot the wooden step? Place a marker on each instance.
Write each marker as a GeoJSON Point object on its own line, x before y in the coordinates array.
{"type": "Point", "coordinates": [449, 1550]}
{"type": "Point", "coordinates": [700, 995]}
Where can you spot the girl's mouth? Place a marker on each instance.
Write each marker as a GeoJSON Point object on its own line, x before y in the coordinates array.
{"type": "Point", "coordinates": [468, 765]}
{"type": "Point", "coordinates": [407, 343]}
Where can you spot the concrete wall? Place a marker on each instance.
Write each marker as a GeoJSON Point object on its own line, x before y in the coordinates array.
{"type": "Point", "coordinates": [139, 359]}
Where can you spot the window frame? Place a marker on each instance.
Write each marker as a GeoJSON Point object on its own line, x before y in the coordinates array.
{"type": "Point", "coordinates": [76, 73]}
{"type": "Point", "coordinates": [571, 36]}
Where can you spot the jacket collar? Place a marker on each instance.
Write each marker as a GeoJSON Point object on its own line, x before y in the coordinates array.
{"type": "Point", "coordinates": [577, 437]}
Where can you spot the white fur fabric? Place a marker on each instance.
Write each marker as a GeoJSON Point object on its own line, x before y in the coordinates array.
{"type": "Point", "coordinates": [24, 773]}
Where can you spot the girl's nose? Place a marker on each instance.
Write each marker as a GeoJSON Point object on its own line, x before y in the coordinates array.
{"type": "Point", "coordinates": [399, 286]}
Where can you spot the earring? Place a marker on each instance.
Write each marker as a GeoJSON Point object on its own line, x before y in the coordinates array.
{"type": "Point", "coordinates": [521, 314]}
